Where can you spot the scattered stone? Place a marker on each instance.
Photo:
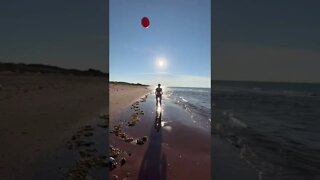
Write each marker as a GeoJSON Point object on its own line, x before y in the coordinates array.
{"type": "Point", "coordinates": [88, 134]}
{"type": "Point", "coordinates": [131, 123]}
{"type": "Point", "coordinates": [85, 128]}
{"type": "Point", "coordinates": [140, 142]}
{"type": "Point", "coordinates": [123, 161]}
{"type": "Point", "coordinates": [89, 158]}
{"type": "Point", "coordinates": [114, 152]}
{"type": "Point", "coordinates": [91, 150]}
{"type": "Point", "coordinates": [79, 143]}
{"type": "Point", "coordinates": [144, 138]}
{"type": "Point", "coordinates": [123, 135]}
{"type": "Point", "coordinates": [134, 117]}
{"type": "Point", "coordinates": [84, 154]}
{"type": "Point", "coordinates": [115, 177]}
{"type": "Point", "coordinates": [103, 126]}
{"type": "Point", "coordinates": [117, 127]}
{"type": "Point", "coordinates": [88, 144]}
{"type": "Point", "coordinates": [128, 139]}
{"type": "Point", "coordinates": [112, 163]}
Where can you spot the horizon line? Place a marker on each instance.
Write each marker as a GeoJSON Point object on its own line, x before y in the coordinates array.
{"type": "Point", "coordinates": [266, 81]}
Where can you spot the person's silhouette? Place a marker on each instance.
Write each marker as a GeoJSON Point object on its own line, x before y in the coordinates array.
{"type": "Point", "coordinates": [158, 94]}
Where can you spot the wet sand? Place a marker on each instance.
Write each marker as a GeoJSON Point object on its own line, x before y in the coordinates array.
{"type": "Point", "coordinates": [163, 144]}
{"type": "Point", "coordinates": [227, 163]}
{"type": "Point", "coordinates": [40, 113]}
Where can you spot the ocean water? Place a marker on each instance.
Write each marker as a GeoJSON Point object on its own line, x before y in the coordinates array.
{"type": "Point", "coordinates": [195, 101]}
{"type": "Point", "coordinates": [276, 126]}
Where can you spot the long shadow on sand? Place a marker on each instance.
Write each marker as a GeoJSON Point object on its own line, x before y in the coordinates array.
{"type": "Point", "coordinates": [154, 163]}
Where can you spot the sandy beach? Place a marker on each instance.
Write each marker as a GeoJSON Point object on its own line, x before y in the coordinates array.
{"type": "Point", "coordinates": [148, 143]}
{"type": "Point", "coordinates": [45, 121]}
{"type": "Point", "coordinates": [122, 95]}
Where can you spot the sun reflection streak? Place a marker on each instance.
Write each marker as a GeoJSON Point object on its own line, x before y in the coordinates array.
{"type": "Point", "coordinates": [159, 108]}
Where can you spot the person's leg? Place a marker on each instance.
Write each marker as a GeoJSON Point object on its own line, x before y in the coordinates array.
{"type": "Point", "coordinates": [160, 97]}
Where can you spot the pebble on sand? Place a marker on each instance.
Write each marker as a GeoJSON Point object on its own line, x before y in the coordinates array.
{"type": "Point", "coordinates": [144, 138]}
{"type": "Point", "coordinates": [128, 139]}
{"type": "Point", "coordinates": [140, 142]}
{"type": "Point", "coordinates": [123, 161]}
{"type": "Point", "coordinates": [131, 123]}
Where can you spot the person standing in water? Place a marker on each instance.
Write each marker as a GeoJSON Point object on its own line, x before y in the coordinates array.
{"type": "Point", "coordinates": [158, 94]}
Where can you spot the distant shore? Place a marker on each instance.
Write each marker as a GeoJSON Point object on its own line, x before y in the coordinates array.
{"type": "Point", "coordinates": [21, 68]}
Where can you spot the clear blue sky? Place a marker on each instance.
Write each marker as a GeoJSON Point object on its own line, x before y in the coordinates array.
{"type": "Point", "coordinates": [272, 40]}
{"type": "Point", "coordinates": [179, 35]}
{"type": "Point", "coordinates": [69, 34]}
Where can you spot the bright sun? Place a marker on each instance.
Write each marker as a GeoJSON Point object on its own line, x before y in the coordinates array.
{"type": "Point", "coordinates": [161, 62]}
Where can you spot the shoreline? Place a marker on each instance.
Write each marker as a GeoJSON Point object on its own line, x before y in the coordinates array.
{"type": "Point", "coordinates": [166, 146]}
{"type": "Point", "coordinates": [227, 163]}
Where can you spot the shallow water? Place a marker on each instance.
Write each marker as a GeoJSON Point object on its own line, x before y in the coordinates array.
{"type": "Point", "coordinates": [173, 139]}
{"type": "Point", "coordinates": [195, 101]}
{"type": "Point", "coordinates": [275, 126]}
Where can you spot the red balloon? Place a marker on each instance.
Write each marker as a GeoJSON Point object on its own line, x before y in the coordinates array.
{"type": "Point", "coordinates": [145, 22]}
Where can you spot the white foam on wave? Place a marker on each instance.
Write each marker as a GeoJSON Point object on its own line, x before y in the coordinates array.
{"type": "Point", "coordinates": [236, 121]}
{"type": "Point", "coordinates": [184, 100]}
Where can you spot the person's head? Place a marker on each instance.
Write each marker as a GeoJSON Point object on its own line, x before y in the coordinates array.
{"type": "Point", "coordinates": [159, 85]}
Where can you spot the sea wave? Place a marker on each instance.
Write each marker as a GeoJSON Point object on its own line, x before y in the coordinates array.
{"type": "Point", "coordinates": [275, 128]}
{"type": "Point", "coordinates": [196, 102]}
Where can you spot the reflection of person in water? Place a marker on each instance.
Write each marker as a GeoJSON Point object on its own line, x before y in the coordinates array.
{"type": "Point", "coordinates": [157, 122]}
